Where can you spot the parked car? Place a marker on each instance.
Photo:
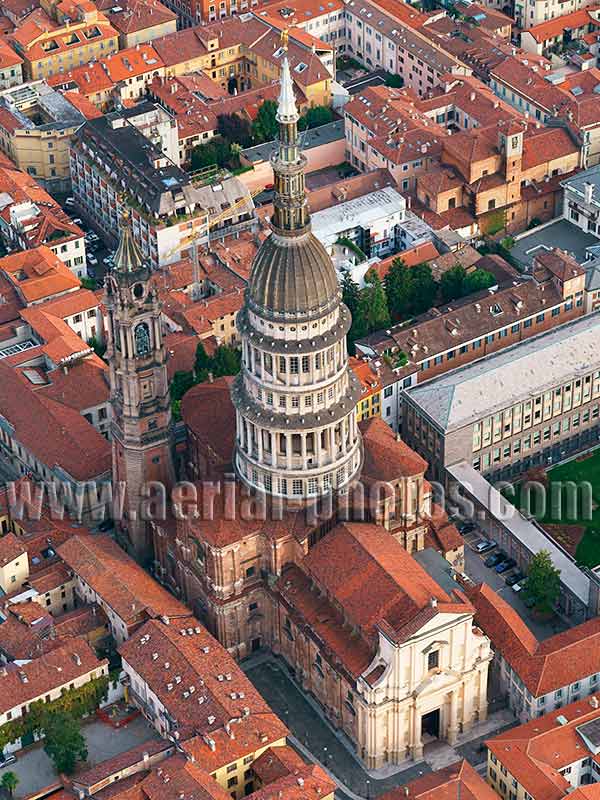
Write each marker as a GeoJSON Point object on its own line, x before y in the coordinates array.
{"type": "Point", "coordinates": [7, 760]}
{"type": "Point", "coordinates": [467, 527]}
{"type": "Point", "coordinates": [516, 587]}
{"type": "Point", "coordinates": [77, 221]}
{"type": "Point", "coordinates": [106, 525]}
{"type": "Point", "coordinates": [69, 202]}
{"type": "Point", "coordinates": [513, 578]}
{"type": "Point", "coordinates": [505, 565]}
{"type": "Point", "coordinates": [494, 559]}
{"type": "Point", "coordinates": [91, 259]}
{"type": "Point", "coordinates": [484, 545]}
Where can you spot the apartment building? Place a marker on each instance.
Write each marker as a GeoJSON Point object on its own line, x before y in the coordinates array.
{"type": "Point", "coordinates": [114, 166]}
{"type": "Point", "coordinates": [244, 52]}
{"type": "Point", "coordinates": [552, 756]}
{"type": "Point", "coordinates": [369, 404]}
{"type": "Point", "coordinates": [30, 217]}
{"type": "Point", "coordinates": [568, 100]}
{"type": "Point", "coordinates": [558, 32]}
{"type": "Point", "coordinates": [11, 66]}
{"type": "Point", "coordinates": [36, 128]}
{"type": "Point", "coordinates": [60, 38]}
{"type": "Point", "coordinates": [45, 680]}
{"type": "Point", "coordinates": [529, 13]}
{"type": "Point", "coordinates": [396, 43]}
{"type": "Point", "coordinates": [131, 71]}
{"type": "Point", "coordinates": [531, 404]}
{"type": "Point", "coordinates": [581, 200]}
{"type": "Point", "coordinates": [536, 676]}
{"type": "Point", "coordinates": [477, 326]}
{"type": "Point", "coordinates": [138, 21]}
{"type": "Point", "coordinates": [184, 682]}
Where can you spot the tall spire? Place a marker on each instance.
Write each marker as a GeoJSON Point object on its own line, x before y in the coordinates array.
{"type": "Point", "coordinates": [128, 257]}
{"type": "Point", "coordinates": [286, 104]}
{"type": "Point", "coordinates": [290, 207]}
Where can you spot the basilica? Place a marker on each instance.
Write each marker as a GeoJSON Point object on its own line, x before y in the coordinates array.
{"type": "Point", "coordinates": [314, 537]}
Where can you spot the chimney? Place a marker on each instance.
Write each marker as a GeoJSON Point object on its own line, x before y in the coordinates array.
{"type": "Point", "coordinates": [588, 192]}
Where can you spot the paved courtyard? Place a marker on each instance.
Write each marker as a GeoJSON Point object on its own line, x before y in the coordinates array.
{"type": "Point", "coordinates": [560, 233]}
{"type": "Point", "coordinates": [35, 770]}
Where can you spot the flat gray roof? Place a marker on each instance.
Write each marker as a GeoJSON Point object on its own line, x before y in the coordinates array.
{"type": "Point", "coordinates": [577, 182]}
{"type": "Point", "coordinates": [324, 134]}
{"type": "Point", "coordinates": [561, 233]}
{"type": "Point", "coordinates": [525, 531]}
{"type": "Point", "coordinates": [526, 369]}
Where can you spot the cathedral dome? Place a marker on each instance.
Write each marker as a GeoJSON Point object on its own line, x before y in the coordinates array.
{"type": "Point", "coordinates": [293, 276]}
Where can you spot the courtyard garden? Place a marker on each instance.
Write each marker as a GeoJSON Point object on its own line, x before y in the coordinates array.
{"type": "Point", "coordinates": [566, 501]}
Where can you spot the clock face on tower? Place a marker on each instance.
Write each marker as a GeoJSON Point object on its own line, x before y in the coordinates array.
{"type": "Point", "coordinates": [142, 339]}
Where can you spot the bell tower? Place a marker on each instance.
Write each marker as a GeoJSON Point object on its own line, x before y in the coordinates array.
{"type": "Point", "coordinates": [141, 406]}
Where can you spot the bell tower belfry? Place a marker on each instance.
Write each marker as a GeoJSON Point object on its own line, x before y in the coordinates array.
{"type": "Point", "coordinates": [141, 404]}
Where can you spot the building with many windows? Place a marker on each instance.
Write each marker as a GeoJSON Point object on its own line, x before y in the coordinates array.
{"type": "Point", "coordinates": [531, 404]}
{"type": "Point", "coordinates": [549, 757]}
{"type": "Point", "coordinates": [37, 124]}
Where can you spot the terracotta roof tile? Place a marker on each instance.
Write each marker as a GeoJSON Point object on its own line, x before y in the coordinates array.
{"type": "Point", "coordinates": [214, 706]}
{"type": "Point", "coordinates": [121, 583]}
{"type": "Point", "coordinates": [74, 659]}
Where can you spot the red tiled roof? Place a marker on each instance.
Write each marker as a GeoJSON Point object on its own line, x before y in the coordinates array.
{"type": "Point", "coordinates": [387, 458]}
{"type": "Point", "coordinates": [354, 557]}
{"type": "Point", "coordinates": [170, 659]}
{"type": "Point", "coordinates": [209, 415]}
{"type": "Point", "coordinates": [534, 753]}
{"type": "Point", "coordinates": [55, 433]}
{"type": "Point", "coordinates": [542, 666]}
{"type": "Point", "coordinates": [74, 659]}
{"type": "Point", "coordinates": [115, 577]}
{"type": "Point", "coordinates": [556, 27]}
{"type": "Point", "coordinates": [458, 781]}
{"type": "Point", "coordinates": [10, 549]}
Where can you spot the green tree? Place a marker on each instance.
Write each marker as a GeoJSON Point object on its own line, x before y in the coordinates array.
{"type": "Point", "coordinates": [63, 742]}
{"type": "Point", "coordinates": [398, 288]}
{"type": "Point", "coordinates": [234, 129]}
{"type": "Point", "coordinates": [477, 280]}
{"type": "Point", "coordinates": [424, 289]}
{"type": "Point", "coordinates": [216, 151]}
{"type": "Point", "coordinates": [182, 381]}
{"type": "Point", "coordinates": [351, 297]}
{"type": "Point", "coordinates": [265, 126]}
{"type": "Point", "coordinates": [99, 347]}
{"type": "Point", "coordinates": [226, 361]}
{"type": "Point", "coordinates": [9, 781]}
{"type": "Point", "coordinates": [393, 80]}
{"type": "Point", "coordinates": [372, 305]}
{"type": "Point", "coordinates": [543, 582]}
{"type": "Point", "coordinates": [452, 283]}
{"type": "Point", "coordinates": [202, 360]}
{"type": "Point", "coordinates": [318, 115]}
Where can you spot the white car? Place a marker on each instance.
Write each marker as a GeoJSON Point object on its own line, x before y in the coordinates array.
{"type": "Point", "coordinates": [92, 259]}
{"type": "Point", "coordinates": [70, 201]}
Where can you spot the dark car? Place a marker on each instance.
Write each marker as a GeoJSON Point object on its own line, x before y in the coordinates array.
{"type": "Point", "coordinates": [106, 525]}
{"type": "Point", "coordinates": [484, 545]}
{"type": "Point", "coordinates": [515, 577]}
{"type": "Point", "coordinates": [505, 565]}
{"type": "Point", "coordinates": [494, 559]}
